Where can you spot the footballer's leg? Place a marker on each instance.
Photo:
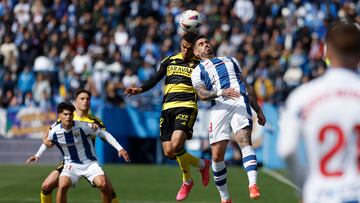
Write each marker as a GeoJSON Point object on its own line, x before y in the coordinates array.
{"type": "Point", "coordinates": [64, 185]}
{"type": "Point", "coordinates": [218, 150]}
{"type": "Point", "coordinates": [183, 158]}
{"type": "Point", "coordinates": [48, 185]}
{"type": "Point", "coordinates": [243, 137]}
{"type": "Point", "coordinates": [101, 183]}
{"type": "Point", "coordinates": [114, 198]}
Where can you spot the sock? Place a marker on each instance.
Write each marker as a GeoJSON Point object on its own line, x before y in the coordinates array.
{"type": "Point", "coordinates": [219, 171]}
{"type": "Point", "coordinates": [250, 163]}
{"type": "Point", "coordinates": [45, 197]}
{"type": "Point", "coordinates": [184, 165]}
{"type": "Point", "coordinates": [114, 198]}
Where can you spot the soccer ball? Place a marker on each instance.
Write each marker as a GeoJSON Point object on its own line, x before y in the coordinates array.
{"type": "Point", "coordinates": [190, 20]}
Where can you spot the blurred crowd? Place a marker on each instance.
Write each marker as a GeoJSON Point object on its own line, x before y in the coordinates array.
{"type": "Point", "coordinates": [48, 49]}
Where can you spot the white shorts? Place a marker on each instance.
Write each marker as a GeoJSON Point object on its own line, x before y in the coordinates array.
{"type": "Point", "coordinates": [227, 118]}
{"type": "Point", "coordinates": [75, 171]}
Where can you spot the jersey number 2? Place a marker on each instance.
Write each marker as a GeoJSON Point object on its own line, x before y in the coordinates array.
{"type": "Point", "coordinates": [339, 144]}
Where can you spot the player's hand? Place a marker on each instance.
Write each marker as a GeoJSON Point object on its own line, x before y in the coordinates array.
{"type": "Point", "coordinates": [132, 91]}
{"type": "Point", "coordinates": [123, 153]}
{"type": "Point", "coordinates": [32, 159]}
{"type": "Point", "coordinates": [261, 118]}
{"type": "Point", "coordinates": [94, 126]}
{"type": "Point", "coordinates": [231, 93]}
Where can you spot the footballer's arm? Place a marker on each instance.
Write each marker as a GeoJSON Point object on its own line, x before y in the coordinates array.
{"type": "Point", "coordinates": [160, 73]}
{"type": "Point", "coordinates": [207, 95]}
{"type": "Point", "coordinates": [253, 103]}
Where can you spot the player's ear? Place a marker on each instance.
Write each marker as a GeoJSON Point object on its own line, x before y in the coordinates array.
{"type": "Point", "coordinates": [196, 53]}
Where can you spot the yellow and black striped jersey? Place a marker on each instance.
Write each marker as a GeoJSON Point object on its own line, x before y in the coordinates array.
{"type": "Point", "coordinates": [178, 90]}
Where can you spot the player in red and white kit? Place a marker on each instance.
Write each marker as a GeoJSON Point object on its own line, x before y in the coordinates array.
{"type": "Point", "coordinates": [325, 115]}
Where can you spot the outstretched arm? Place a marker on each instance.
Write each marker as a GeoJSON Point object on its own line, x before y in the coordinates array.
{"type": "Point", "coordinates": [35, 158]}
{"type": "Point", "coordinates": [112, 141]}
{"type": "Point", "coordinates": [206, 95]}
{"type": "Point", "coordinates": [160, 73]}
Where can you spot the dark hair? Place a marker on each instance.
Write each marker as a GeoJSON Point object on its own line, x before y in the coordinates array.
{"type": "Point", "coordinates": [65, 106]}
{"type": "Point", "coordinates": [78, 92]}
{"type": "Point", "coordinates": [199, 37]}
{"type": "Point", "coordinates": [190, 37]}
{"type": "Point", "coordinates": [344, 39]}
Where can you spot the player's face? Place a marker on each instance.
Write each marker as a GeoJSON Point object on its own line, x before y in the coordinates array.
{"type": "Point", "coordinates": [66, 118]}
{"type": "Point", "coordinates": [82, 102]}
{"type": "Point", "coordinates": [203, 48]}
{"type": "Point", "coordinates": [186, 49]}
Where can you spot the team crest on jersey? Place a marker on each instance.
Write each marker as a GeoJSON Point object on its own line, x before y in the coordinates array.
{"type": "Point", "coordinates": [76, 132]}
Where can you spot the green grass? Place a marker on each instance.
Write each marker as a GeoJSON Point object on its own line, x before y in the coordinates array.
{"type": "Point", "coordinates": [140, 184]}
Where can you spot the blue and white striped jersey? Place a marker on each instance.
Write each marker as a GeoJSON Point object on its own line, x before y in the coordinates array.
{"type": "Point", "coordinates": [219, 73]}
{"type": "Point", "coordinates": [76, 144]}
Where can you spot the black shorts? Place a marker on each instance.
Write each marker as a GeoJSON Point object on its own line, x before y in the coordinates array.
{"type": "Point", "coordinates": [60, 167]}
{"type": "Point", "coordinates": [177, 119]}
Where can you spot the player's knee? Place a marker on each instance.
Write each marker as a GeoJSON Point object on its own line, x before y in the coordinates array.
{"type": "Point", "coordinates": [102, 185]}
{"type": "Point", "coordinates": [169, 153]}
{"type": "Point", "coordinates": [46, 186]}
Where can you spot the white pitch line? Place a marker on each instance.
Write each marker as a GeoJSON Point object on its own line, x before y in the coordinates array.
{"type": "Point", "coordinates": [280, 178]}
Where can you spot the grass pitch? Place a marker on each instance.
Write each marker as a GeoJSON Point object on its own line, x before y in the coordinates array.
{"type": "Point", "coordinates": [140, 184]}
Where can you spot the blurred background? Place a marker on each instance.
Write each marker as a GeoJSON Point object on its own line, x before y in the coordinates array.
{"type": "Point", "coordinates": [49, 49]}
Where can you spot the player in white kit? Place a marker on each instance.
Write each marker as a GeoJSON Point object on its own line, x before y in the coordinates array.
{"type": "Point", "coordinates": [73, 138]}
{"type": "Point", "coordinates": [324, 114]}
{"type": "Point", "coordinates": [219, 79]}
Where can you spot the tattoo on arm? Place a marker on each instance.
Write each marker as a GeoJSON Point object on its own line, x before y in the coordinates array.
{"type": "Point", "coordinates": [205, 94]}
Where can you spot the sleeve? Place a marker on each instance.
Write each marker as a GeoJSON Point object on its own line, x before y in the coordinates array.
{"type": "Point", "coordinates": [88, 130]}
{"type": "Point", "coordinates": [236, 62]}
{"type": "Point", "coordinates": [160, 73]}
{"type": "Point", "coordinates": [41, 150]}
{"type": "Point", "coordinates": [51, 135]}
{"type": "Point", "coordinates": [110, 139]}
{"type": "Point", "coordinates": [97, 121]}
{"type": "Point", "coordinates": [196, 77]}
{"type": "Point", "coordinates": [290, 127]}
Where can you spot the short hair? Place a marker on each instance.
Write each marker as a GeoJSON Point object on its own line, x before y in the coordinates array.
{"type": "Point", "coordinates": [79, 91]}
{"type": "Point", "coordinates": [190, 37]}
{"type": "Point", "coordinates": [344, 39]}
{"type": "Point", "coordinates": [199, 37]}
{"type": "Point", "coordinates": [65, 106]}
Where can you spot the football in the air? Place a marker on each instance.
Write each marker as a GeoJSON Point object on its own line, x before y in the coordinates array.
{"type": "Point", "coordinates": [190, 20]}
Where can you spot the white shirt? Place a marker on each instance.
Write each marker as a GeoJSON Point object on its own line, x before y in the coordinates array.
{"type": "Point", "coordinates": [76, 144]}
{"type": "Point", "coordinates": [325, 114]}
{"type": "Point", "coordinates": [219, 73]}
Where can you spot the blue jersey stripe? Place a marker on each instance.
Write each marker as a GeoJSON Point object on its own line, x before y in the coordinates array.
{"type": "Point", "coordinates": [87, 146]}
{"type": "Point", "coordinates": [238, 73]}
{"type": "Point", "coordinates": [55, 141]}
{"type": "Point", "coordinates": [248, 108]}
{"type": "Point", "coordinates": [222, 73]}
{"type": "Point", "coordinates": [69, 138]}
{"type": "Point", "coordinates": [205, 77]}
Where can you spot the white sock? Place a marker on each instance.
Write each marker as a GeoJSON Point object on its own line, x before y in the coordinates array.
{"type": "Point", "coordinates": [220, 174]}
{"type": "Point", "coordinates": [250, 163]}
